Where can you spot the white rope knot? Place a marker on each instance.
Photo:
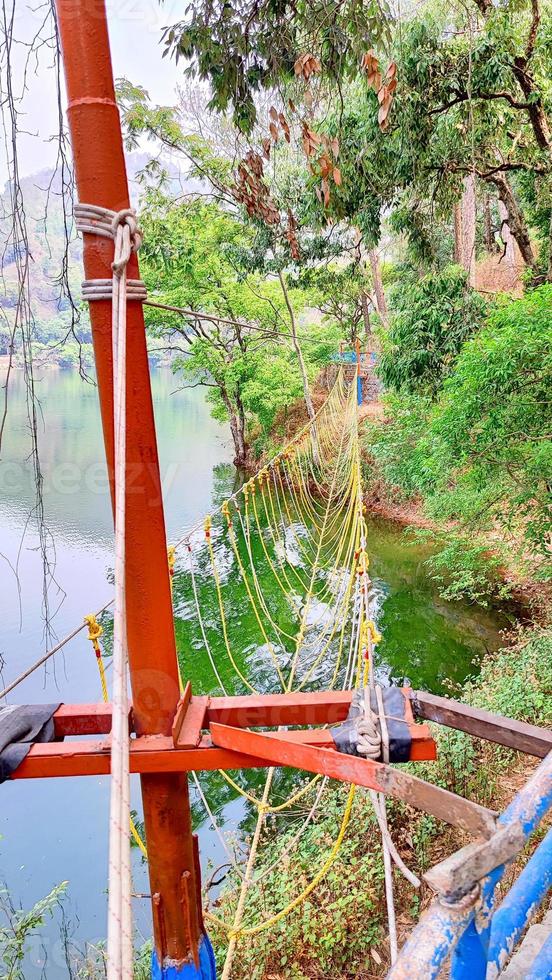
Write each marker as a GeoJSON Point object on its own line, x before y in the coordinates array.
{"type": "Point", "coordinates": [127, 237]}
{"type": "Point", "coordinates": [123, 229]}
{"type": "Point", "coordinates": [372, 734]}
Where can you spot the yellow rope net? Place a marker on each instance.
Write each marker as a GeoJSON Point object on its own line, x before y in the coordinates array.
{"type": "Point", "coordinates": [277, 598]}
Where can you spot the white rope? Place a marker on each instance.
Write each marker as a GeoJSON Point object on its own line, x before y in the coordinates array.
{"type": "Point", "coordinates": [378, 799]}
{"type": "Point", "coordinates": [91, 219]}
{"type": "Point", "coordinates": [119, 924]}
{"type": "Point", "coordinates": [94, 289]}
{"type": "Point", "coordinates": [123, 229]}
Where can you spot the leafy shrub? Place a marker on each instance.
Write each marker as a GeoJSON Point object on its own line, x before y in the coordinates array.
{"type": "Point", "coordinates": [481, 454]}
{"type": "Point", "coordinates": [432, 319]}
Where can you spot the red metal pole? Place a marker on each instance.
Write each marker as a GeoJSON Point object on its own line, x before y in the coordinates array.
{"type": "Point", "coordinates": [101, 179]}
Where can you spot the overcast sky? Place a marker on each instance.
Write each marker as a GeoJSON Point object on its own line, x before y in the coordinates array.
{"type": "Point", "coordinates": [135, 30]}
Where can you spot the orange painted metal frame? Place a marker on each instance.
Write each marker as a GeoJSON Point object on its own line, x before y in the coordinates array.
{"type": "Point", "coordinates": [190, 746]}
{"type": "Point", "coordinates": [101, 179]}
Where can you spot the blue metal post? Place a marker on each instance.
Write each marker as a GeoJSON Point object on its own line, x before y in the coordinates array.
{"type": "Point", "coordinates": [524, 897]}
{"type": "Point", "coordinates": [187, 971]}
{"type": "Point", "coordinates": [469, 960]}
{"type": "Point", "coordinates": [430, 943]}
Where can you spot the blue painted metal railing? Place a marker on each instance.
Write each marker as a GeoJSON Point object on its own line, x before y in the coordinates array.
{"type": "Point", "coordinates": [478, 938]}
{"type": "Point", "coordinates": [352, 357]}
{"type": "Point", "coordinates": [345, 357]}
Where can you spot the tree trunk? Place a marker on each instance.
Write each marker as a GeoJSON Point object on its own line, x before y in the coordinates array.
{"type": "Point", "coordinates": [516, 218]}
{"type": "Point", "coordinates": [378, 285]}
{"type": "Point", "coordinates": [488, 225]}
{"type": "Point", "coordinates": [237, 428]}
{"type": "Point", "coordinates": [302, 369]}
{"type": "Point", "coordinates": [536, 112]}
{"type": "Point", "coordinates": [365, 306]}
{"type": "Point", "coordinates": [468, 227]}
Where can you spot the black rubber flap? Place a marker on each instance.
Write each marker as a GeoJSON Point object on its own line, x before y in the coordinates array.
{"type": "Point", "coordinates": [394, 705]}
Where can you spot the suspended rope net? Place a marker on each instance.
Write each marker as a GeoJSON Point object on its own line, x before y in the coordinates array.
{"type": "Point", "coordinates": [272, 594]}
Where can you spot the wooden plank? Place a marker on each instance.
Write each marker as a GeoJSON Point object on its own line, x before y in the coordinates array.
{"type": "Point", "coordinates": [463, 869]}
{"type": "Point", "coordinates": [483, 724]}
{"type": "Point", "coordinates": [277, 750]}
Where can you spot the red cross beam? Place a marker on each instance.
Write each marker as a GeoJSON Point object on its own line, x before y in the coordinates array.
{"type": "Point", "coordinates": [217, 733]}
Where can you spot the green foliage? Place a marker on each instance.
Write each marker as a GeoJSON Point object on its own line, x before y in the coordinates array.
{"type": "Point", "coordinates": [432, 318]}
{"type": "Point", "coordinates": [334, 932]}
{"type": "Point", "coordinates": [467, 569]}
{"type": "Point", "coordinates": [17, 927]}
{"type": "Point", "coordinates": [480, 454]}
{"type": "Point", "coordinates": [243, 49]}
{"type": "Point", "coordinates": [334, 928]}
{"type": "Point", "coordinates": [193, 258]}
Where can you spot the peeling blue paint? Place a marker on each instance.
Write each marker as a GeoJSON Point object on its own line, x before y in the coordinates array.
{"type": "Point", "coordinates": [541, 968]}
{"type": "Point", "coordinates": [520, 904]}
{"type": "Point", "coordinates": [187, 971]}
{"type": "Point", "coordinates": [481, 940]}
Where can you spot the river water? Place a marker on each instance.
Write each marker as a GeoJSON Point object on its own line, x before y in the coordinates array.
{"type": "Point", "coordinates": [55, 830]}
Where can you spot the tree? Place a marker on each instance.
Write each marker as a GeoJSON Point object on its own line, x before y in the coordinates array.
{"type": "Point", "coordinates": [243, 49]}
{"type": "Point", "coordinates": [432, 319]}
{"type": "Point", "coordinates": [473, 102]}
{"type": "Point", "coordinates": [272, 244]}
{"type": "Point", "coordinates": [232, 335]}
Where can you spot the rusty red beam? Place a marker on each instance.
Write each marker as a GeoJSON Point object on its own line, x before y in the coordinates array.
{"type": "Point", "coordinates": [157, 753]}
{"type": "Point", "coordinates": [278, 750]}
{"type": "Point", "coordinates": [247, 711]}
{"type": "Point", "coordinates": [271, 710]}
{"type": "Point", "coordinates": [148, 754]}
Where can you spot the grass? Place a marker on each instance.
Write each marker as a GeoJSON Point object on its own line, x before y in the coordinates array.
{"type": "Point", "coordinates": [341, 929]}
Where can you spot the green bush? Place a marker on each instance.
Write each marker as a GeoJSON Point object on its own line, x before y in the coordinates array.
{"type": "Point", "coordinates": [432, 318]}
{"type": "Point", "coordinates": [481, 453]}
{"type": "Point", "coordinates": [335, 931]}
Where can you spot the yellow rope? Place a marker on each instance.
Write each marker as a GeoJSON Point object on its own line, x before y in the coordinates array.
{"type": "Point", "coordinates": [94, 633]}
{"type": "Point", "coordinates": [283, 913]}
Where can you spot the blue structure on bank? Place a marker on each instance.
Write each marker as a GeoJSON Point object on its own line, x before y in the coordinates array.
{"type": "Point", "coordinates": [478, 938]}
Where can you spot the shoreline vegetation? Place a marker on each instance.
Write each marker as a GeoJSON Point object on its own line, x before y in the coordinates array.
{"type": "Point", "coordinates": [340, 929]}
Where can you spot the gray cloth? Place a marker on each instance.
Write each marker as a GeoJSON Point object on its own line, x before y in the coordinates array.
{"type": "Point", "coordinates": [20, 727]}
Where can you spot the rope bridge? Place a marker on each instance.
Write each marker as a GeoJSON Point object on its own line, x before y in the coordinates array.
{"type": "Point", "coordinates": [289, 548]}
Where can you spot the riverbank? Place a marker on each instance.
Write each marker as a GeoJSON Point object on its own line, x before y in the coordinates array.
{"type": "Point", "coordinates": [340, 930]}
{"type": "Point", "coordinates": [511, 580]}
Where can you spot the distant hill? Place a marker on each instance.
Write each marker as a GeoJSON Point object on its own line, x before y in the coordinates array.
{"type": "Point", "coordinates": [47, 246]}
